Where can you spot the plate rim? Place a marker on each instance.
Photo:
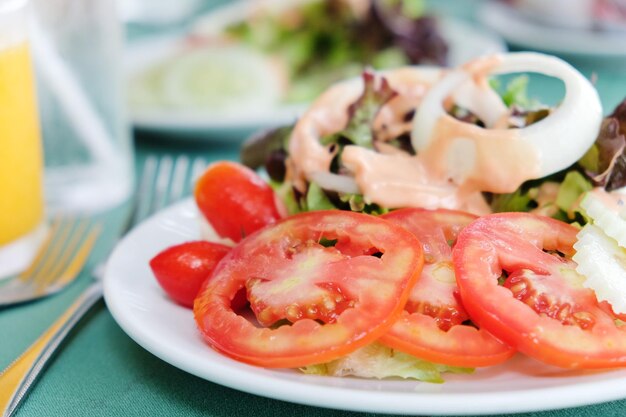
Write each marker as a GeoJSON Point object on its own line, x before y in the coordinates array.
{"type": "Point", "coordinates": [264, 382]}
{"type": "Point", "coordinates": [505, 21]}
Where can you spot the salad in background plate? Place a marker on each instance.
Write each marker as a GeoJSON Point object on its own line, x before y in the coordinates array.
{"type": "Point", "coordinates": [254, 64]}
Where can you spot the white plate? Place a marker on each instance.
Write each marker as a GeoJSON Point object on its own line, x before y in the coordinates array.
{"type": "Point", "coordinates": [168, 331]}
{"type": "Point", "coordinates": [465, 42]}
{"type": "Point", "coordinates": [518, 29]}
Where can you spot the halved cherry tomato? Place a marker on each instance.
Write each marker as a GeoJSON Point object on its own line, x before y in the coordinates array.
{"type": "Point", "coordinates": [432, 324]}
{"type": "Point", "coordinates": [321, 303]}
{"type": "Point", "coordinates": [235, 200]}
{"type": "Point", "coordinates": [541, 309]}
{"type": "Point", "coordinates": [182, 269]}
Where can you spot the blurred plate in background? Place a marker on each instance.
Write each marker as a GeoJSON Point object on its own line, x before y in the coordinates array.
{"type": "Point", "coordinates": [519, 29]}
{"type": "Point", "coordinates": [249, 93]}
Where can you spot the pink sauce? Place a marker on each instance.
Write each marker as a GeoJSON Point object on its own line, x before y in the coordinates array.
{"type": "Point", "coordinates": [462, 160]}
{"type": "Point", "coordinates": [494, 160]}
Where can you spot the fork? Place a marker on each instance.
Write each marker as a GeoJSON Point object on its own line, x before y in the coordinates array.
{"type": "Point", "coordinates": [163, 181]}
{"type": "Point", "coordinates": [57, 262]}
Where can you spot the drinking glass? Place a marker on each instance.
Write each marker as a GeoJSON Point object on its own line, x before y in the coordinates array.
{"type": "Point", "coordinates": [77, 48]}
{"type": "Point", "coordinates": [22, 223]}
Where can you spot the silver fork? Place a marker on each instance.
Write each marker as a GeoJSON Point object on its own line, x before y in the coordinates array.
{"type": "Point", "coordinates": [163, 181]}
{"type": "Point", "coordinates": [56, 264]}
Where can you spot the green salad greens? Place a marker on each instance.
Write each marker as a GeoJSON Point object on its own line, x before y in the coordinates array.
{"type": "Point", "coordinates": [323, 41]}
{"type": "Point", "coordinates": [378, 361]}
{"type": "Point", "coordinates": [557, 195]}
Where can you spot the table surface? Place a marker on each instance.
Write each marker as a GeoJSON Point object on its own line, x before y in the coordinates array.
{"type": "Point", "coordinates": [101, 371]}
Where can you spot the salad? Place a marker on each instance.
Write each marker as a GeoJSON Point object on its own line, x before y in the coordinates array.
{"type": "Point", "coordinates": [418, 221]}
{"type": "Point", "coordinates": [288, 52]}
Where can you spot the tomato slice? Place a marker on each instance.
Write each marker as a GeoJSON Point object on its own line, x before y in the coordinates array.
{"type": "Point", "coordinates": [541, 309]}
{"type": "Point", "coordinates": [235, 200]}
{"type": "Point", "coordinates": [321, 303]}
{"type": "Point", "coordinates": [432, 326]}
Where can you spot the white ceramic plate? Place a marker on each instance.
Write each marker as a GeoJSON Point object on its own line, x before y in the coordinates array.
{"type": "Point", "coordinates": [465, 42]}
{"type": "Point", "coordinates": [168, 331]}
{"type": "Point", "coordinates": [520, 30]}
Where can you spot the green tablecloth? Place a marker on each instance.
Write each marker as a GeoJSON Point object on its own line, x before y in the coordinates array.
{"type": "Point", "coordinates": [101, 372]}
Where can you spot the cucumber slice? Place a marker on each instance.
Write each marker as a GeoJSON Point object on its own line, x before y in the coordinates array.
{"type": "Point", "coordinates": [603, 262]}
{"type": "Point", "coordinates": [221, 78]}
{"type": "Point", "coordinates": [608, 212]}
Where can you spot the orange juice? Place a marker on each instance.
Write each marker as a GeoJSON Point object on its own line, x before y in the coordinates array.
{"type": "Point", "coordinates": [21, 165]}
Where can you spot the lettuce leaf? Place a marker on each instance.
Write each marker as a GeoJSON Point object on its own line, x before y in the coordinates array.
{"type": "Point", "coordinates": [556, 196]}
{"type": "Point", "coordinates": [356, 202]}
{"type": "Point", "coordinates": [287, 195]}
{"type": "Point", "coordinates": [256, 150]}
{"type": "Point", "coordinates": [361, 114]}
{"type": "Point", "coordinates": [520, 200]}
{"type": "Point", "coordinates": [516, 92]}
{"type": "Point", "coordinates": [605, 162]}
{"type": "Point", "coordinates": [574, 185]}
{"type": "Point", "coordinates": [379, 361]}
{"type": "Point", "coordinates": [322, 42]}
{"type": "Point", "coordinates": [316, 199]}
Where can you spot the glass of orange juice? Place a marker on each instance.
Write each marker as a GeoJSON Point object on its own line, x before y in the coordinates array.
{"type": "Point", "coordinates": [22, 224]}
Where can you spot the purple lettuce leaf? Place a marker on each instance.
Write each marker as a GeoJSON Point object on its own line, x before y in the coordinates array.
{"type": "Point", "coordinates": [605, 162]}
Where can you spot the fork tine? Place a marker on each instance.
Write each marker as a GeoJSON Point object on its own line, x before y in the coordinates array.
{"type": "Point", "coordinates": [144, 190]}
{"type": "Point", "coordinates": [80, 257]}
{"type": "Point", "coordinates": [76, 241]}
{"type": "Point", "coordinates": [179, 177]}
{"type": "Point", "coordinates": [199, 165]}
{"type": "Point", "coordinates": [41, 252]}
{"type": "Point", "coordinates": [50, 276]}
{"type": "Point", "coordinates": [162, 185]}
{"type": "Point", "coordinates": [52, 250]}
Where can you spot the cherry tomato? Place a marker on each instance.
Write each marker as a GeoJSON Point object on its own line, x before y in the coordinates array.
{"type": "Point", "coordinates": [319, 303]}
{"type": "Point", "coordinates": [517, 280]}
{"type": "Point", "coordinates": [433, 324]}
{"type": "Point", "coordinates": [235, 200]}
{"type": "Point", "coordinates": [181, 269]}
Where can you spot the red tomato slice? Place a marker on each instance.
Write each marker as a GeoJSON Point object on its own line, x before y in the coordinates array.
{"type": "Point", "coordinates": [235, 200]}
{"type": "Point", "coordinates": [182, 269]}
{"type": "Point", "coordinates": [321, 303]}
{"type": "Point", "coordinates": [542, 309]}
{"type": "Point", "coordinates": [431, 326]}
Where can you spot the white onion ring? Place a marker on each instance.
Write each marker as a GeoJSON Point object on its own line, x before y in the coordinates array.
{"type": "Point", "coordinates": [335, 182]}
{"type": "Point", "coordinates": [559, 140]}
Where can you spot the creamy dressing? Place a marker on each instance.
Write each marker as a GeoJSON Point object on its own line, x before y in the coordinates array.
{"type": "Point", "coordinates": [328, 115]}
{"type": "Point", "coordinates": [448, 174]}
{"type": "Point", "coordinates": [400, 180]}
{"type": "Point", "coordinates": [478, 159]}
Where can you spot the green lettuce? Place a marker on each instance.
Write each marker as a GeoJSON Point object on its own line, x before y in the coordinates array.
{"type": "Point", "coordinates": [574, 185]}
{"type": "Point", "coordinates": [556, 196]}
{"type": "Point", "coordinates": [356, 202]}
{"type": "Point", "coordinates": [316, 199]}
{"type": "Point", "coordinates": [605, 161]}
{"type": "Point", "coordinates": [379, 361]}
{"type": "Point", "coordinates": [516, 92]}
{"type": "Point", "coordinates": [361, 114]}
